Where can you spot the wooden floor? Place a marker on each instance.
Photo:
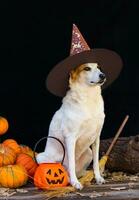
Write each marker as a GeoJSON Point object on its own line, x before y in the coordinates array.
{"type": "Point", "coordinates": [112, 189]}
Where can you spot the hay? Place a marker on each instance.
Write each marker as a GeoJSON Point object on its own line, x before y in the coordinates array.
{"type": "Point", "coordinates": [60, 192]}
{"type": "Point", "coordinates": [85, 180]}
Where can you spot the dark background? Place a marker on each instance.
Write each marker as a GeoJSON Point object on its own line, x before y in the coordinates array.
{"type": "Point", "coordinates": [36, 35]}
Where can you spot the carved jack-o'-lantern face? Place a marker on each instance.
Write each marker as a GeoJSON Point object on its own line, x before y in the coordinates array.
{"type": "Point", "coordinates": [55, 176]}
{"type": "Point", "coordinates": [50, 175]}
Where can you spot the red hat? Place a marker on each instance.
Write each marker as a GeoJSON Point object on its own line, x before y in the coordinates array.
{"type": "Point", "coordinates": [58, 79]}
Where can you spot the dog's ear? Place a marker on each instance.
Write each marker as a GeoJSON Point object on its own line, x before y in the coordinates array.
{"type": "Point", "coordinates": [72, 77]}
{"type": "Point", "coordinates": [74, 74]}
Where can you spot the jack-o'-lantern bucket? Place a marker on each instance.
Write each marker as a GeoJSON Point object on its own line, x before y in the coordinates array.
{"type": "Point", "coordinates": [51, 175]}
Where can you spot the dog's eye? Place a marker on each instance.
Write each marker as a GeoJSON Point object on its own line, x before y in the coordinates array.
{"type": "Point", "coordinates": [87, 68]}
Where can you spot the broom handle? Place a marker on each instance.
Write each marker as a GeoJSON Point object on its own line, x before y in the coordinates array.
{"type": "Point", "coordinates": [117, 135]}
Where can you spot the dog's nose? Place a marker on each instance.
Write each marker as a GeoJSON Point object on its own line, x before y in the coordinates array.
{"type": "Point", "coordinates": [102, 76]}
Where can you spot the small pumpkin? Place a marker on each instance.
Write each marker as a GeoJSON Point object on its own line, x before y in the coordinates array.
{"type": "Point", "coordinates": [4, 125]}
{"type": "Point", "coordinates": [50, 175]}
{"type": "Point", "coordinates": [12, 144]}
{"type": "Point", "coordinates": [27, 150]}
{"type": "Point", "coordinates": [7, 155]}
{"type": "Point", "coordinates": [28, 162]}
{"type": "Point", "coordinates": [13, 176]}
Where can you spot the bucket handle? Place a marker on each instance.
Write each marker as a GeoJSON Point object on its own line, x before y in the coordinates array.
{"type": "Point", "coordinates": [52, 137]}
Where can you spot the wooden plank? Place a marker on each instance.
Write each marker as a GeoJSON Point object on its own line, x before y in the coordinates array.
{"type": "Point", "coordinates": [114, 191]}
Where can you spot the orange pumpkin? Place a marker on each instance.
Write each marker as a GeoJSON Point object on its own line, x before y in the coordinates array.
{"type": "Point", "coordinates": [12, 144]}
{"type": "Point", "coordinates": [13, 176]}
{"type": "Point", "coordinates": [50, 175]}
{"type": "Point", "coordinates": [28, 162]}
{"type": "Point", "coordinates": [3, 125]}
{"type": "Point", "coordinates": [27, 150]}
{"type": "Point", "coordinates": [7, 155]}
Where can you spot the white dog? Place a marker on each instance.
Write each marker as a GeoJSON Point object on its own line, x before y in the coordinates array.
{"type": "Point", "coordinates": [78, 124]}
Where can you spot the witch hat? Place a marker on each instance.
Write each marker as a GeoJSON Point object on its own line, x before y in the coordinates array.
{"type": "Point", "coordinates": [57, 80]}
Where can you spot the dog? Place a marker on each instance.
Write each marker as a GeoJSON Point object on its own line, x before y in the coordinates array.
{"type": "Point", "coordinates": [78, 124]}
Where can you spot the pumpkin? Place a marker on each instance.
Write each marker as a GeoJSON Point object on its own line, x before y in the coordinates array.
{"type": "Point", "coordinates": [50, 175]}
{"type": "Point", "coordinates": [27, 150]}
{"type": "Point", "coordinates": [12, 144]}
{"type": "Point", "coordinates": [28, 162]}
{"type": "Point", "coordinates": [13, 176]}
{"type": "Point", "coordinates": [7, 155]}
{"type": "Point", "coordinates": [3, 125]}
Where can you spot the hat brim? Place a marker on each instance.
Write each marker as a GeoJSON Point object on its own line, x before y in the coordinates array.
{"type": "Point", "coordinates": [58, 79]}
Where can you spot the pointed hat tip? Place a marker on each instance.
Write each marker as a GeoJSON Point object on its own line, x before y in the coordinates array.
{"type": "Point", "coordinates": [74, 24]}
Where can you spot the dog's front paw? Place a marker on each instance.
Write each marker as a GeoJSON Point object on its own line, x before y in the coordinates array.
{"type": "Point", "coordinates": [100, 180]}
{"type": "Point", "coordinates": [77, 185]}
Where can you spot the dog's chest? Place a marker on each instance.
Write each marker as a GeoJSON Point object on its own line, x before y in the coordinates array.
{"type": "Point", "coordinates": [90, 127]}
{"type": "Point", "coordinates": [91, 123]}
{"type": "Point", "coordinates": [85, 117]}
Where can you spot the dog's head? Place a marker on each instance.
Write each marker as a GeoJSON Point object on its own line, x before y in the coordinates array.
{"type": "Point", "coordinates": [88, 73]}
